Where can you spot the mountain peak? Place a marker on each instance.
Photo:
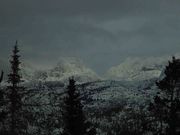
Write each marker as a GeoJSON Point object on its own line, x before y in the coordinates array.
{"type": "Point", "coordinates": [138, 69]}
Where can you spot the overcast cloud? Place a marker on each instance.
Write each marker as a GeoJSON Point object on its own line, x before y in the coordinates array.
{"type": "Point", "coordinates": [101, 32]}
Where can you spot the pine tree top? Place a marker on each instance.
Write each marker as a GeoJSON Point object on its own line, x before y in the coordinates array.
{"type": "Point", "coordinates": [172, 75]}
{"type": "Point", "coordinates": [14, 77]}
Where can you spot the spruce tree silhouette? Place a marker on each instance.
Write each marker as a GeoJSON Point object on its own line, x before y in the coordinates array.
{"type": "Point", "coordinates": [166, 104]}
{"type": "Point", "coordinates": [74, 118]}
{"type": "Point", "coordinates": [1, 78]}
{"type": "Point", "coordinates": [2, 109]}
{"type": "Point", "coordinates": [15, 95]}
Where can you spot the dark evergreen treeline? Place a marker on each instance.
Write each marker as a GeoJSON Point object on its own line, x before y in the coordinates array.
{"type": "Point", "coordinates": [18, 116]}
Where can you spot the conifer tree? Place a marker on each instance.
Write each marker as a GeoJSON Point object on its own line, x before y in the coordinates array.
{"type": "Point", "coordinates": [2, 108]}
{"type": "Point", "coordinates": [74, 119]}
{"type": "Point", "coordinates": [1, 78]}
{"type": "Point", "coordinates": [166, 104]}
{"type": "Point", "coordinates": [15, 94]}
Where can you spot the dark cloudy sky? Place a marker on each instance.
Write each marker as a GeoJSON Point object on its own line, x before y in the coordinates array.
{"type": "Point", "coordinates": [101, 32]}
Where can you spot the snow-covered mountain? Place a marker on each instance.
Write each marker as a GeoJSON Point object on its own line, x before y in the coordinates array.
{"type": "Point", "coordinates": [71, 67]}
{"type": "Point", "coordinates": [66, 68]}
{"type": "Point", "coordinates": [133, 69]}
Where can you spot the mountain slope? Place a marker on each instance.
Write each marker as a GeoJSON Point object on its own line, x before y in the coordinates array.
{"type": "Point", "coordinates": [137, 69]}
{"type": "Point", "coordinates": [66, 68]}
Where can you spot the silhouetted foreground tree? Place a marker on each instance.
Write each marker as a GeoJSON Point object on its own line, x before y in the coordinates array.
{"type": "Point", "coordinates": [74, 120]}
{"type": "Point", "coordinates": [1, 78]}
{"type": "Point", "coordinates": [2, 107]}
{"type": "Point", "coordinates": [166, 105]}
{"type": "Point", "coordinates": [15, 93]}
